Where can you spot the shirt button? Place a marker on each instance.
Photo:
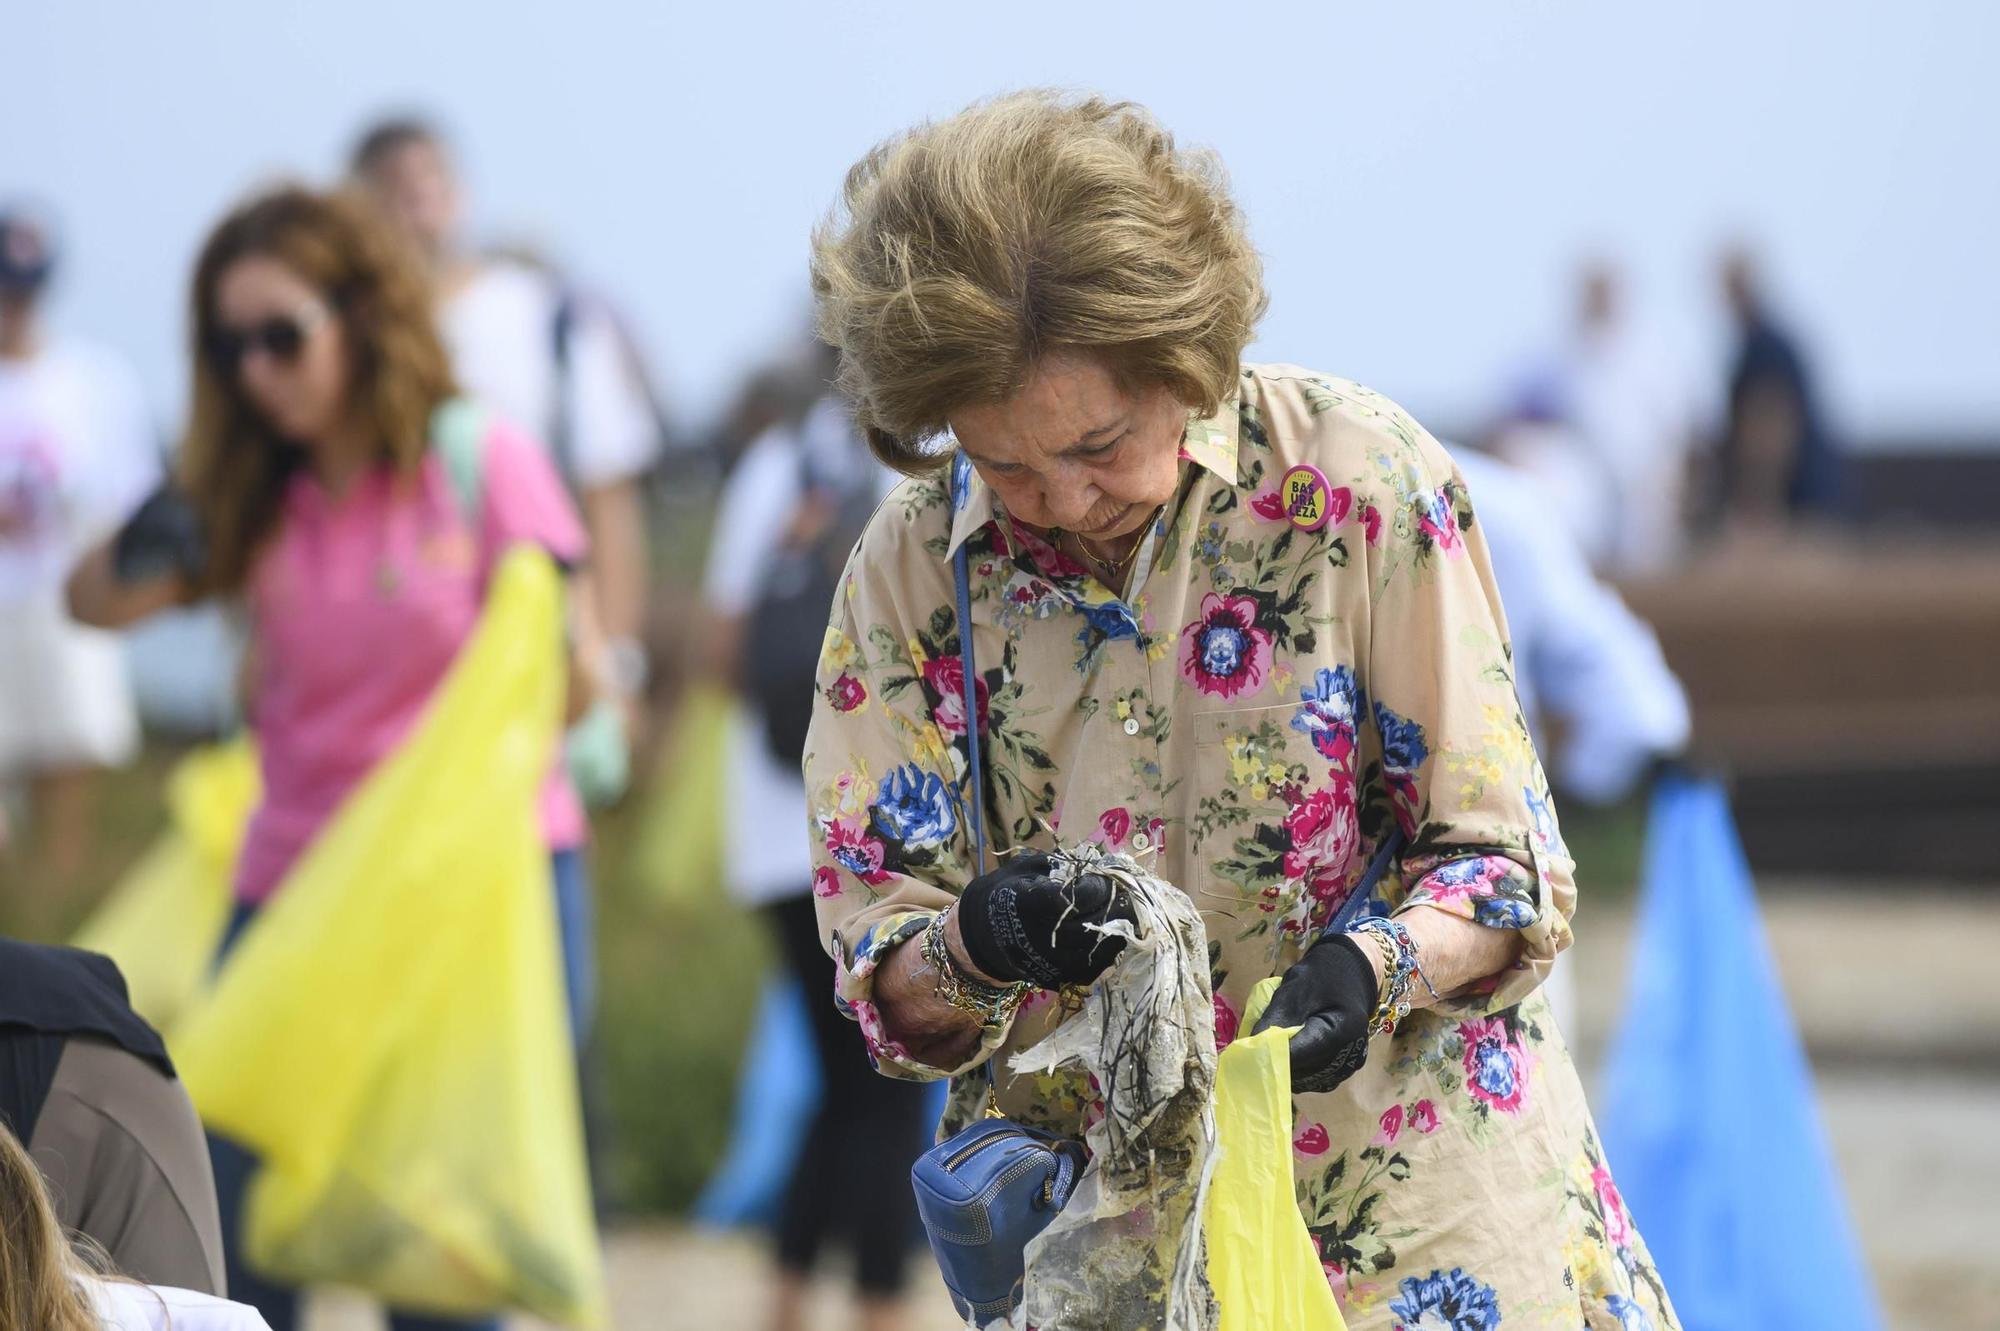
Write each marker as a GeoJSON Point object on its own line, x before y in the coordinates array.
{"type": "Point", "coordinates": [1131, 725]}
{"type": "Point", "coordinates": [1141, 841]}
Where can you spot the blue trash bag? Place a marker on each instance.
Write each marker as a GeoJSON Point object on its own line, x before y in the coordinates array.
{"type": "Point", "coordinates": [1707, 1110]}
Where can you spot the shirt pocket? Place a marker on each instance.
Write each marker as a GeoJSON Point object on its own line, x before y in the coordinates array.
{"type": "Point", "coordinates": [1275, 829]}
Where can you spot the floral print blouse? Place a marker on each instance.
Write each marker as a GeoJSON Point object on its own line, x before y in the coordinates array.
{"type": "Point", "coordinates": [1258, 711]}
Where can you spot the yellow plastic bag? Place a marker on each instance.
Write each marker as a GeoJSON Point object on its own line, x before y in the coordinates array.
{"type": "Point", "coordinates": [164, 920]}
{"type": "Point", "coordinates": [390, 1036]}
{"type": "Point", "coordinates": [1261, 1261]}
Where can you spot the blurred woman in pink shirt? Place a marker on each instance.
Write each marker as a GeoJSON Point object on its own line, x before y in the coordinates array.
{"type": "Point", "coordinates": [310, 492]}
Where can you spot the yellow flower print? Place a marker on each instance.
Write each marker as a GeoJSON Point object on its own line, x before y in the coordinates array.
{"type": "Point", "coordinates": [849, 793]}
{"type": "Point", "coordinates": [922, 740]}
{"type": "Point", "coordinates": [1504, 748]}
{"type": "Point", "coordinates": [837, 652]}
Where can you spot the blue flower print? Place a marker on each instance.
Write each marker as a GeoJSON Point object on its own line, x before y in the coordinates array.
{"type": "Point", "coordinates": [1403, 747]}
{"type": "Point", "coordinates": [961, 482]}
{"type": "Point", "coordinates": [1445, 1302]}
{"type": "Point", "coordinates": [1494, 1070]}
{"type": "Point", "coordinates": [1502, 912]}
{"type": "Point", "coordinates": [1109, 621]}
{"type": "Point", "coordinates": [915, 808]}
{"type": "Point", "coordinates": [1327, 710]}
{"type": "Point", "coordinates": [1631, 1317]}
{"type": "Point", "coordinates": [1222, 650]}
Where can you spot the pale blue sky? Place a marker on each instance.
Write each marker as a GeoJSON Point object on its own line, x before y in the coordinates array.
{"type": "Point", "coordinates": [1421, 178]}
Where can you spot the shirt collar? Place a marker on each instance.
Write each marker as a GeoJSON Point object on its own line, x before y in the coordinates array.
{"type": "Point", "coordinates": [1210, 443]}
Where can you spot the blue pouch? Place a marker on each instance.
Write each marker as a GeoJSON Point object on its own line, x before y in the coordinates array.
{"type": "Point", "coordinates": [982, 1196]}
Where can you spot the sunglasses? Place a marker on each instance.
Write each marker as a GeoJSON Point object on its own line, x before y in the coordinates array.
{"type": "Point", "coordinates": [281, 338]}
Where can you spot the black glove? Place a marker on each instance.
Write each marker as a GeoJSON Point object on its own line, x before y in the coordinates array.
{"type": "Point", "coordinates": [1330, 994]}
{"type": "Point", "coordinates": [164, 537]}
{"type": "Point", "coordinates": [1020, 924]}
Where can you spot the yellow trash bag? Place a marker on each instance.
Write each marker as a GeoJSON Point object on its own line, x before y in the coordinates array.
{"type": "Point", "coordinates": [390, 1036]}
{"type": "Point", "coordinates": [164, 920]}
{"type": "Point", "coordinates": [681, 850]}
{"type": "Point", "coordinates": [1261, 1261]}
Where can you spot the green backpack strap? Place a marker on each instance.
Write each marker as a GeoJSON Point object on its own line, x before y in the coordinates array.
{"type": "Point", "coordinates": [458, 435]}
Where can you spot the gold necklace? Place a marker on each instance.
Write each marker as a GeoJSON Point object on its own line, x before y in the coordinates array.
{"type": "Point", "coordinates": [1113, 572]}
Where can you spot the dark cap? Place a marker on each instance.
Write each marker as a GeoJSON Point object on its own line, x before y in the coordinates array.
{"type": "Point", "coordinates": [27, 251]}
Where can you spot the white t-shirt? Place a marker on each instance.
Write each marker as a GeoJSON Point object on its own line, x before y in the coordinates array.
{"type": "Point", "coordinates": [1580, 654]}
{"type": "Point", "coordinates": [768, 855]}
{"type": "Point", "coordinates": [125, 1307]}
{"type": "Point", "coordinates": [500, 331]}
{"type": "Point", "coordinates": [1630, 403]}
{"type": "Point", "coordinates": [76, 454]}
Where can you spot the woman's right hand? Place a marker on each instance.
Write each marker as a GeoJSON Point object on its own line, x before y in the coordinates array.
{"type": "Point", "coordinates": [164, 538]}
{"type": "Point", "coordinates": [154, 563]}
{"type": "Point", "coordinates": [1017, 923]}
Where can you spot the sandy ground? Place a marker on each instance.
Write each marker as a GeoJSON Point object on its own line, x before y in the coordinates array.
{"type": "Point", "coordinates": [1911, 1104]}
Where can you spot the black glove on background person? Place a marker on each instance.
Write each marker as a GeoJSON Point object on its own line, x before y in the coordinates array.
{"type": "Point", "coordinates": [164, 537]}
{"type": "Point", "coordinates": [1331, 994]}
{"type": "Point", "coordinates": [1019, 924]}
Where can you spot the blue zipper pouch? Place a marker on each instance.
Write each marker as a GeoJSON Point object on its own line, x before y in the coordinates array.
{"type": "Point", "coordinates": [982, 1196]}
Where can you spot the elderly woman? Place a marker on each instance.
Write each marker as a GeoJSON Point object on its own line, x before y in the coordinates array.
{"type": "Point", "coordinates": [1236, 620]}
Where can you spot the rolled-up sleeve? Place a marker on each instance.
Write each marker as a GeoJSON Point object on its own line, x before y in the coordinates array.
{"type": "Point", "coordinates": [1457, 759]}
{"type": "Point", "coordinates": [888, 802]}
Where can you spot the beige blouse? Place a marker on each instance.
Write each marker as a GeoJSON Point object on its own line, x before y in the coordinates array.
{"type": "Point", "coordinates": [1312, 653]}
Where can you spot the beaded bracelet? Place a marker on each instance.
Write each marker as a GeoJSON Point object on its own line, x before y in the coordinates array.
{"type": "Point", "coordinates": [1401, 968]}
{"type": "Point", "coordinates": [967, 993]}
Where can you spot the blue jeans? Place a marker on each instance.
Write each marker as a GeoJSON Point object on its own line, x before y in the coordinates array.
{"type": "Point", "coordinates": [235, 1166]}
{"type": "Point", "coordinates": [576, 919]}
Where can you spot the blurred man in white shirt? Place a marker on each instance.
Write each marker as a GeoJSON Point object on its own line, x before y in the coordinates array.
{"type": "Point", "coordinates": [547, 358]}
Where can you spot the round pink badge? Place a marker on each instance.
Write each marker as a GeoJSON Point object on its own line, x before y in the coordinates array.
{"type": "Point", "coordinates": [1307, 497]}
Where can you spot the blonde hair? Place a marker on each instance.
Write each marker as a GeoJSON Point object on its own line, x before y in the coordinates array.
{"type": "Point", "coordinates": [966, 250]}
{"type": "Point", "coordinates": [40, 1275]}
{"type": "Point", "coordinates": [234, 465]}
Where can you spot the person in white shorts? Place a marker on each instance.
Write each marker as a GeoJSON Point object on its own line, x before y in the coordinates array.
{"type": "Point", "coordinates": [76, 451]}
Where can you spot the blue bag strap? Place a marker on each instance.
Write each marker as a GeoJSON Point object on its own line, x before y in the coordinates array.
{"type": "Point", "coordinates": [962, 580]}
{"type": "Point", "coordinates": [1357, 900]}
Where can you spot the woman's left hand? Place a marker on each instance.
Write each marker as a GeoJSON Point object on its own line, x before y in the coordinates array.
{"type": "Point", "coordinates": [1330, 994]}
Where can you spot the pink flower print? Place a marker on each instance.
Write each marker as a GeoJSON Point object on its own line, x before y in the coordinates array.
{"type": "Point", "coordinates": [1052, 562]}
{"type": "Point", "coordinates": [1226, 1021]}
{"type": "Point", "coordinates": [1371, 522]}
{"type": "Point", "coordinates": [856, 850]}
{"type": "Point", "coordinates": [826, 882]}
{"type": "Point", "coordinates": [1312, 1140]}
{"type": "Point", "coordinates": [1267, 506]}
{"type": "Point", "coordinates": [1338, 505]}
{"type": "Point", "coordinates": [872, 1031]}
{"type": "Point", "coordinates": [1157, 830]}
{"type": "Point", "coordinates": [1391, 1125]}
{"type": "Point", "coordinates": [1325, 832]}
{"type": "Point", "coordinates": [1424, 1117]}
{"type": "Point", "coordinates": [1113, 826]}
{"type": "Point", "coordinates": [1496, 1068]}
{"type": "Point", "coordinates": [847, 693]}
{"type": "Point", "coordinates": [946, 675]}
{"type": "Point", "coordinates": [1617, 1225]}
{"type": "Point", "coordinates": [1437, 520]}
{"type": "Point", "coordinates": [1224, 654]}
{"type": "Point", "coordinates": [1465, 878]}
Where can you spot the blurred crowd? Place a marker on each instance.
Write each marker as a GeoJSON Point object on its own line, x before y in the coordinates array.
{"type": "Point", "coordinates": [712, 551]}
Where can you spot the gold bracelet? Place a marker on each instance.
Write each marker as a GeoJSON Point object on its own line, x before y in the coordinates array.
{"type": "Point", "coordinates": [967, 993]}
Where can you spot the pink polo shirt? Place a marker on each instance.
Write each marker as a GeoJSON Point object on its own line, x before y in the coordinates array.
{"type": "Point", "coordinates": [358, 607]}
